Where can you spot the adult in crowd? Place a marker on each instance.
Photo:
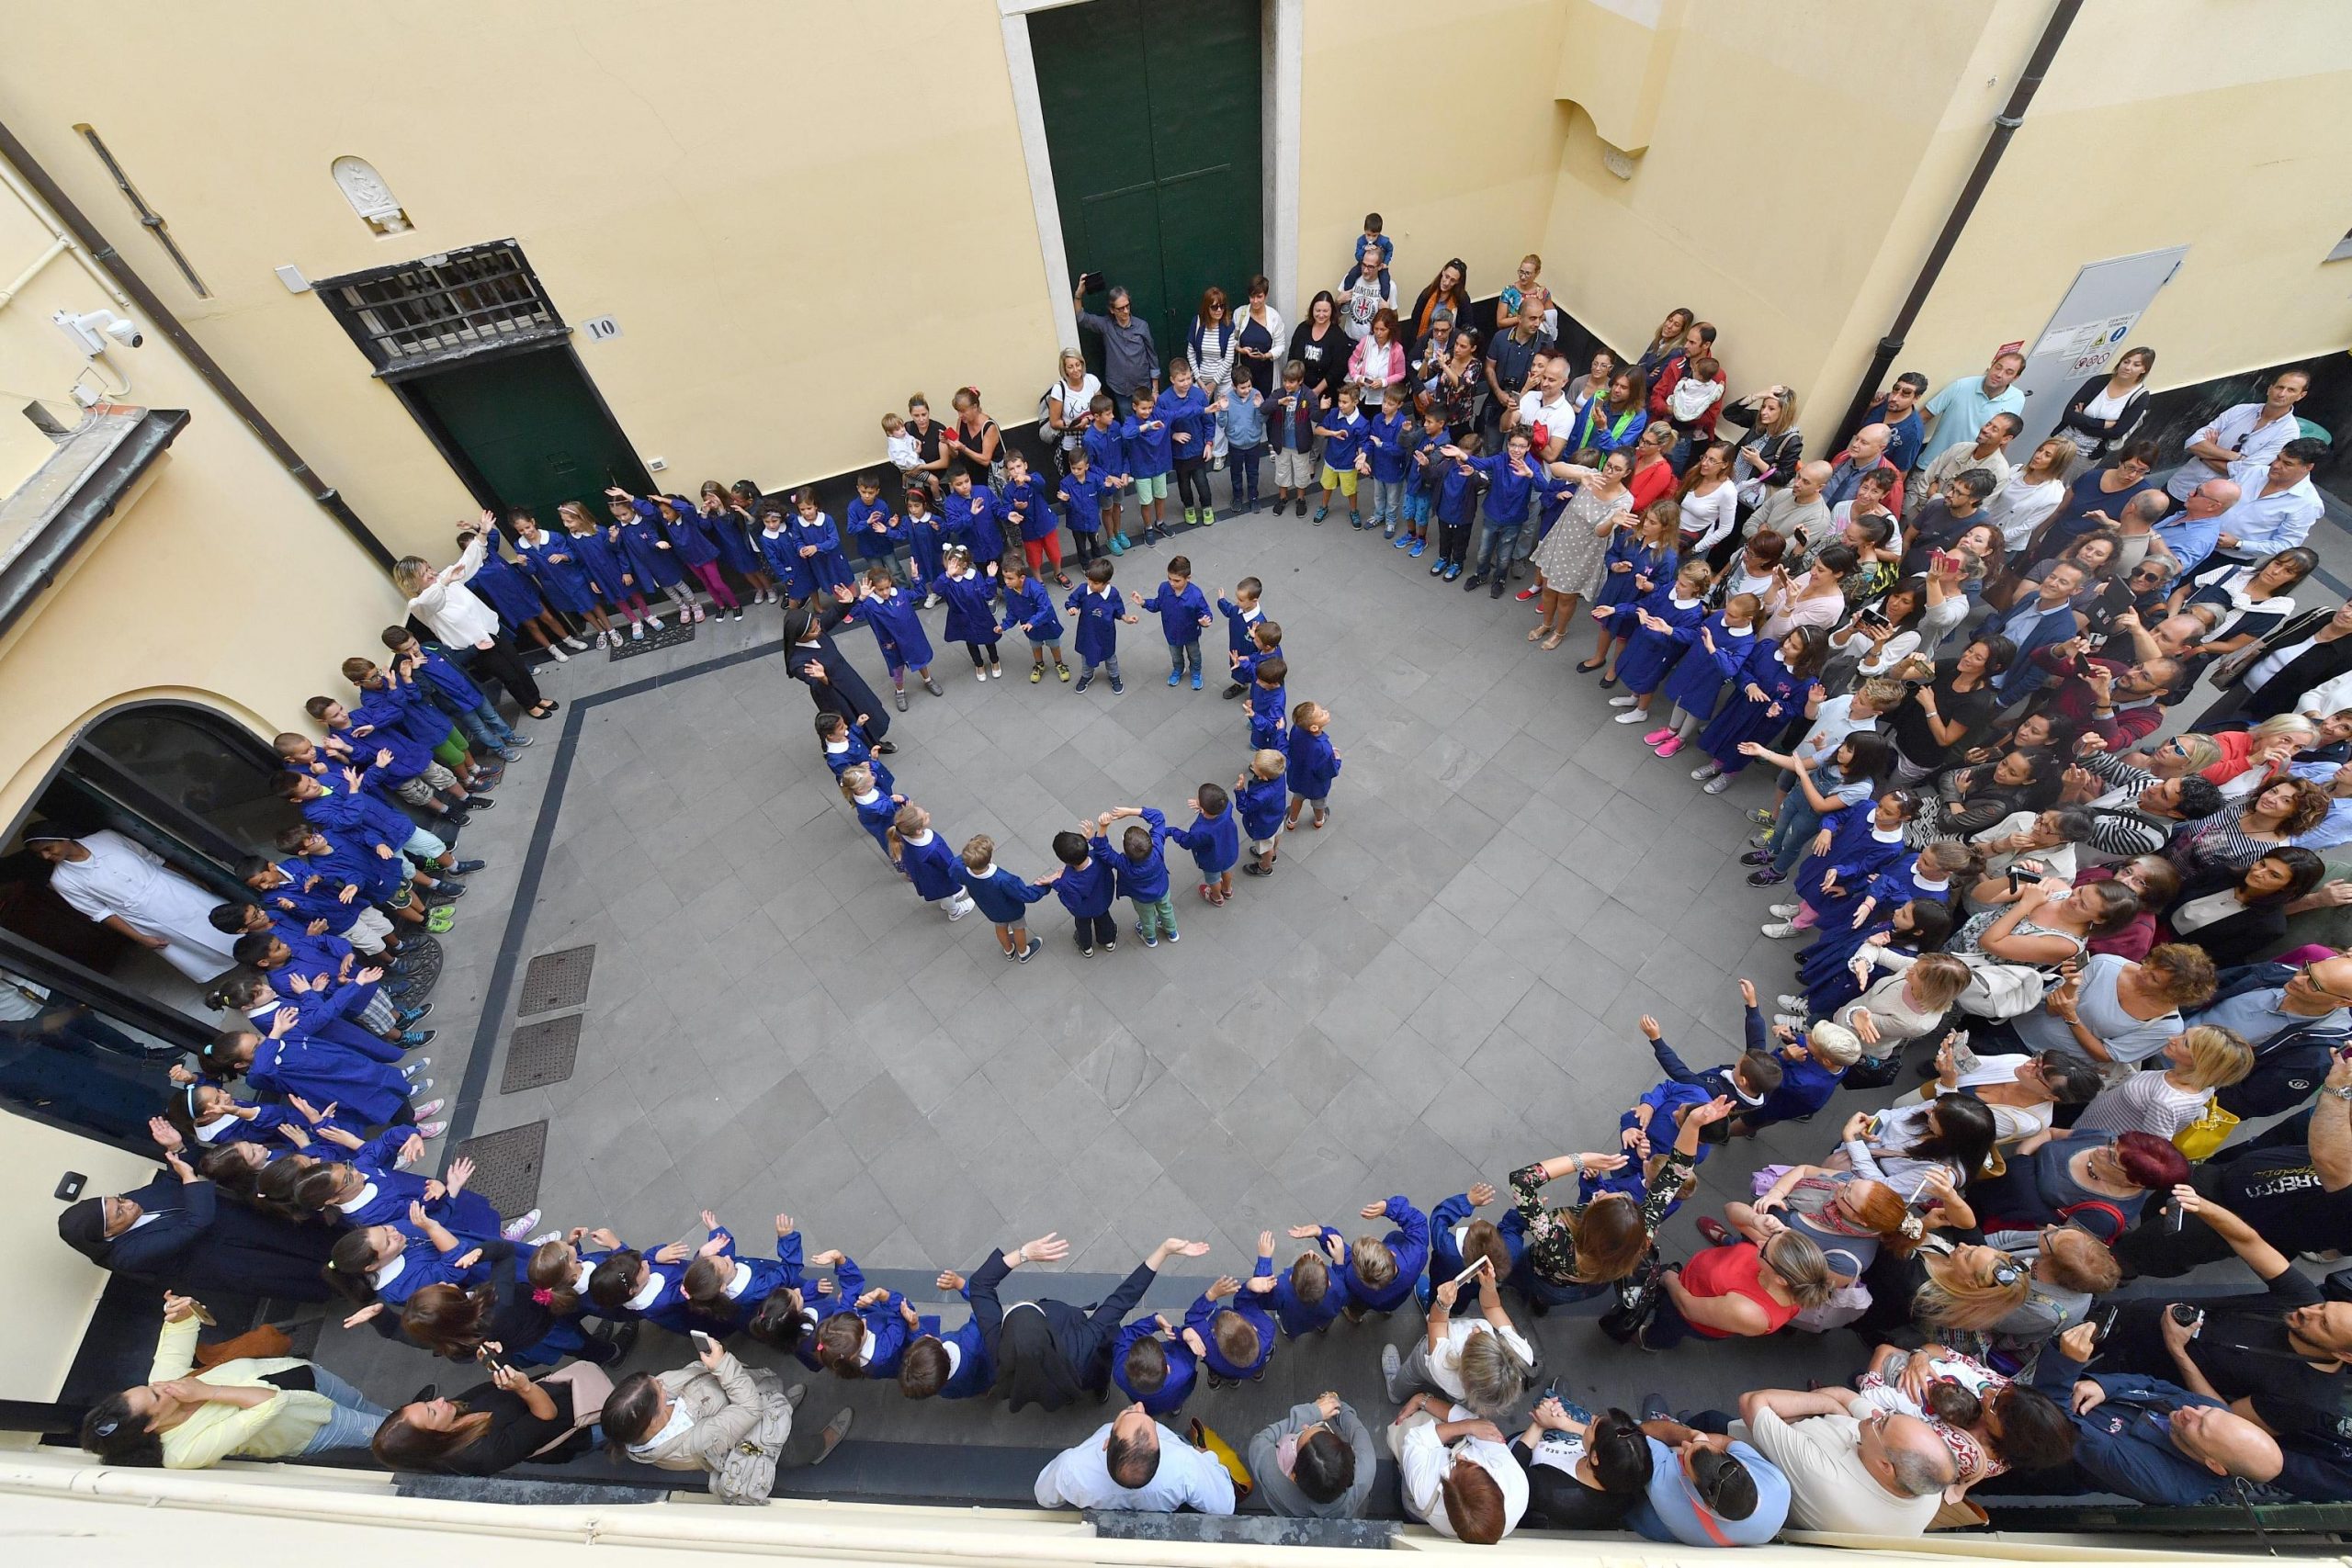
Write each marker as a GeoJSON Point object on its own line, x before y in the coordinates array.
{"type": "Point", "coordinates": [1569, 559]}
{"type": "Point", "coordinates": [1067, 402]}
{"type": "Point", "coordinates": [2113, 1009]}
{"type": "Point", "coordinates": [2233, 917]}
{"type": "Point", "coordinates": [1454, 384]}
{"type": "Point", "coordinates": [1707, 1488]}
{"type": "Point", "coordinates": [2030, 496]}
{"type": "Point", "coordinates": [1257, 340]}
{"type": "Point", "coordinates": [1322, 347]}
{"type": "Point", "coordinates": [128, 888]}
{"type": "Point", "coordinates": [715, 1416]}
{"type": "Point", "coordinates": [1049, 1352]}
{"type": "Point", "coordinates": [1865, 453]}
{"type": "Point", "coordinates": [1211, 346]}
{"type": "Point", "coordinates": [1482, 1362]}
{"type": "Point", "coordinates": [2195, 1063]}
{"type": "Point", "coordinates": [1132, 1463]}
{"type": "Point", "coordinates": [1796, 511]}
{"type": "Point", "coordinates": [1987, 450]}
{"type": "Point", "coordinates": [1882, 1475]}
{"type": "Point", "coordinates": [177, 1231]}
{"type": "Point", "coordinates": [1613, 420]}
{"type": "Point", "coordinates": [2096, 1183]}
{"type": "Point", "coordinates": [2276, 505]}
{"type": "Point", "coordinates": [1897, 408]}
{"type": "Point", "coordinates": [1582, 389]}
{"type": "Point", "coordinates": [932, 455]}
{"type": "Point", "coordinates": [1368, 289]}
{"type": "Point", "coordinates": [973, 442]}
{"type": "Point", "coordinates": [1951, 708]}
{"type": "Point", "coordinates": [1449, 291]}
{"type": "Point", "coordinates": [1317, 1463]}
{"type": "Point", "coordinates": [1456, 1473]}
{"type": "Point", "coordinates": [1961, 409]}
{"type": "Point", "coordinates": [2098, 497]}
{"type": "Point", "coordinates": [833, 683]}
{"type": "Point", "coordinates": [1584, 1473]}
{"type": "Point", "coordinates": [1577, 1252]}
{"type": "Point", "coordinates": [1741, 1290]}
{"type": "Point", "coordinates": [1509, 360]}
{"type": "Point", "coordinates": [246, 1408]}
{"type": "Point", "coordinates": [467, 628]}
{"type": "Point", "coordinates": [2300, 668]}
{"type": "Point", "coordinates": [1667, 341]}
{"type": "Point", "coordinates": [497, 1424]}
{"type": "Point", "coordinates": [2295, 1017]}
{"type": "Point", "coordinates": [2105, 410]}
{"type": "Point", "coordinates": [1130, 358]}
{"type": "Point", "coordinates": [2043, 621]}
{"type": "Point", "coordinates": [2249, 433]}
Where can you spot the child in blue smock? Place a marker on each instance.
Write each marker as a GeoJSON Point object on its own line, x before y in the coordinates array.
{"type": "Point", "coordinates": [608, 571]}
{"type": "Point", "coordinates": [456, 696]}
{"type": "Point", "coordinates": [1184, 609]}
{"type": "Point", "coordinates": [382, 1266]}
{"type": "Point", "coordinates": [732, 528]}
{"type": "Point", "coordinates": [1420, 444]}
{"type": "Point", "coordinates": [1267, 703]}
{"type": "Point", "coordinates": [1229, 1331]}
{"type": "Point", "coordinates": [1151, 455]}
{"type": "Point", "coordinates": [372, 1189]}
{"type": "Point", "coordinates": [695, 540]}
{"type": "Point", "coordinates": [893, 615]}
{"type": "Point", "coordinates": [790, 1315]}
{"type": "Point", "coordinates": [1028, 607]}
{"type": "Point", "coordinates": [881, 538]}
{"type": "Point", "coordinates": [1098, 611]}
{"type": "Point", "coordinates": [1657, 628]}
{"type": "Point", "coordinates": [877, 808]}
{"type": "Point", "coordinates": [780, 547]}
{"type": "Point", "coordinates": [971, 618]}
{"type": "Point", "coordinates": [1026, 508]}
{"type": "Point", "coordinates": [1083, 493]}
{"type": "Point", "coordinates": [1215, 839]}
{"type": "Point", "coordinates": [972, 523]}
{"type": "Point", "coordinates": [1245, 439]}
{"type": "Point", "coordinates": [1458, 1237]}
{"type": "Point", "coordinates": [722, 1290]}
{"type": "Point", "coordinates": [1343, 432]}
{"type": "Point", "coordinates": [555, 569]}
{"type": "Point", "coordinates": [1242, 615]}
{"type": "Point", "coordinates": [1105, 446]}
{"type": "Point", "coordinates": [1867, 840]}
{"type": "Point", "coordinates": [819, 542]}
{"type": "Point", "coordinates": [1153, 1365]}
{"type": "Point", "coordinates": [1776, 683]}
{"type": "Point", "coordinates": [649, 1287]}
{"type": "Point", "coordinates": [1085, 888]}
{"type": "Point", "coordinates": [652, 558]}
{"type": "Point", "coordinates": [1639, 559]}
{"type": "Point", "coordinates": [845, 746]}
{"type": "Point", "coordinates": [936, 871]}
{"type": "Point", "coordinates": [926, 540]}
{"type": "Point", "coordinates": [1313, 763]}
{"type": "Point", "coordinates": [1305, 1296]}
{"type": "Point", "coordinates": [868, 1340]}
{"type": "Point", "coordinates": [950, 1364]}
{"type": "Point", "coordinates": [1387, 460]}
{"type": "Point", "coordinates": [317, 1054]}
{"type": "Point", "coordinates": [1455, 503]}
{"type": "Point", "coordinates": [1192, 431]}
{"type": "Point", "coordinates": [1379, 1271]}
{"type": "Point", "coordinates": [1259, 795]}
{"type": "Point", "coordinates": [1142, 869]}
{"type": "Point", "coordinates": [502, 585]}
{"type": "Point", "coordinates": [1693, 688]}
{"type": "Point", "coordinates": [1003, 898]}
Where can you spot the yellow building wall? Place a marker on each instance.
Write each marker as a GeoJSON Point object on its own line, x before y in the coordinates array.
{"type": "Point", "coordinates": [799, 211]}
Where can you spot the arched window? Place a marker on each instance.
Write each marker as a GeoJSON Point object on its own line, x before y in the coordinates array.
{"type": "Point", "coordinates": [369, 196]}
{"type": "Point", "coordinates": [195, 762]}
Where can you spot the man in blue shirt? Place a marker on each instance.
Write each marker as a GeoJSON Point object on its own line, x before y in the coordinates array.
{"type": "Point", "coordinates": [2042, 621]}
{"type": "Point", "coordinates": [2145, 1438]}
{"type": "Point", "coordinates": [1708, 1490]}
{"type": "Point", "coordinates": [2292, 1018]}
{"type": "Point", "coordinates": [1133, 1462]}
{"type": "Point", "coordinates": [2196, 531]}
{"type": "Point", "coordinates": [1962, 407]}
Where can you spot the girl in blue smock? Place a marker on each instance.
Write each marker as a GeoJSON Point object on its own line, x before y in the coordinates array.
{"type": "Point", "coordinates": [553, 562]}
{"type": "Point", "coordinates": [506, 589]}
{"type": "Point", "coordinates": [818, 542]}
{"type": "Point", "coordinates": [1775, 685]}
{"type": "Point", "coordinates": [382, 1265]}
{"type": "Point", "coordinates": [1657, 628]}
{"type": "Point", "coordinates": [316, 1052]}
{"type": "Point", "coordinates": [1028, 606]}
{"type": "Point", "coordinates": [696, 547]}
{"type": "Point", "coordinates": [970, 621]}
{"type": "Point", "coordinates": [778, 546]}
{"type": "Point", "coordinates": [372, 1189]}
{"type": "Point", "coordinates": [1693, 688]}
{"type": "Point", "coordinates": [1825, 968]}
{"type": "Point", "coordinates": [897, 627]}
{"type": "Point", "coordinates": [972, 523]}
{"type": "Point", "coordinates": [936, 871]}
{"type": "Point", "coordinates": [730, 527]}
{"type": "Point", "coordinates": [608, 568]}
{"type": "Point", "coordinates": [1640, 559]}
{"type": "Point", "coordinates": [651, 557]}
{"type": "Point", "coordinates": [1215, 839]}
{"type": "Point", "coordinates": [926, 537]}
{"type": "Point", "coordinates": [1866, 839]}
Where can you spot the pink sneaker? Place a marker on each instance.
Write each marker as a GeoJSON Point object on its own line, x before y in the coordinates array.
{"type": "Point", "coordinates": [1673, 744]}
{"type": "Point", "coordinates": [1660, 736]}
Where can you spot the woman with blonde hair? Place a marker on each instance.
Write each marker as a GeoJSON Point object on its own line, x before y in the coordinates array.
{"type": "Point", "coordinates": [2198, 1061]}
{"type": "Point", "coordinates": [1067, 404]}
{"type": "Point", "coordinates": [2252, 759]}
{"type": "Point", "coordinates": [1741, 1291]}
{"type": "Point", "coordinates": [1969, 1287]}
{"type": "Point", "coordinates": [467, 628]}
{"type": "Point", "coordinates": [2031, 494]}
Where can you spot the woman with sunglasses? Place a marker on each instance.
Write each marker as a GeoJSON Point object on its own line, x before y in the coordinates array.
{"type": "Point", "coordinates": [2098, 1184]}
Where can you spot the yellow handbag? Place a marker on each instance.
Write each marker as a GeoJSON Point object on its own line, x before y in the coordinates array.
{"type": "Point", "coordinates": [2202, 1138]}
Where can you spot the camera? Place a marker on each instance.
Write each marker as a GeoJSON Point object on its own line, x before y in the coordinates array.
{"type": "Point", "coordinates": [92, 332]}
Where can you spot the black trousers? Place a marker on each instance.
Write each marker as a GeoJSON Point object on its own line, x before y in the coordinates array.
{"type": "Point", "coordinates": [978, 661]}
{"type": "Point", "coordinates": [1193, 481]}
{"type": "Point", "coordinates": [1097, 931]}
{"type": "Point", "coordinates": [1452, 542]}
{"type": "Point", "coordinates": [500, 663]}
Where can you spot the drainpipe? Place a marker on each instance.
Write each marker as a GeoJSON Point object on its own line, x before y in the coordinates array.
{"type": "Point", "coordinates": [2005, 126]}
{"type": "Point", "coordinates": [158, 315]}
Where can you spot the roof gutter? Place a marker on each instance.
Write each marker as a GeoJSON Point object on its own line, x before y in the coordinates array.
{"type": "Point", "coordinates": [160, 317]}
{"type": "Point", "coordinates": [1963, 207]}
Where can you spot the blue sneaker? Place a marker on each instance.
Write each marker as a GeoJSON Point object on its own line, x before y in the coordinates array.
{"type": "Point", "coordinates": [1418, 546]}
{"type": "Point", "coordinates": [410, 1017]}
{"type": "Point", "coordinates": [1196, 680]}
{"type": "Point", "coordinates": [1174, 676]}
{"type": "Point", "coordinates": [1117, 548]}
{"type": "Point", "coordinates": [466, 868]}
{"type": "Point", "coordinates": [1402, 541]}
{"type": "Point", "coordinates": [1116, 686]}
{"type": "Point", "coordinates": [1149, 940]}
{"type": "Point", "coordinates": [1083, 681]}
{"type": "Point", "coordinates": [416, 1037]}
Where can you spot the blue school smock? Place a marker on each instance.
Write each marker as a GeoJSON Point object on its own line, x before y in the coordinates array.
{"type": "Point", "coordinates": [1665, 1100]}
{"type": "Point", "coordinates": [897, 620]}
{"type": "Point", "coordinates": [262, 1127]}
{"type": "Point", "coordinates": [1342, 438]}
{"type": "Point", "coordinates": [607, 566]}
{"type": "Point", "coordinates": [975, 1369]}
{"type": "Point", "coordinates": [891, 1336]}
{"type": "Point", "coordinates": [1857, 853]}
{"type": "Point", "coordinates": [322, 1073]}
{"type": "Point", "coordinates": [934, 869]}
{"type": "Point", "coordinates": [402, 709]}
{"type": "Point", "coordinates": [1742, 717]}
{"type": "Point", "coordinates": [1031, 608]}
{"type": "Point", "coordinates": [647, 553]}
{"type": "Point", "coordinates": [421, 1264]}
{"type": "Point", "coordinates": [877, 529]}
{"type": "Point", "coordinates": [877, 815]}
{"type": "Point", "coordinates": [385, 1201]}
{"type": "Point", "coordinates": [854, 752]}
{"type": "Point", "coordinates": [732, 528]}
{"type": "Point", "coordinates": [794, 577]}
{"type": "Point", "coordinates": [972, 523]}
{"type": "Point", "coordinates": [1239, 625]}
{"type": "Point", "coordinates": [1508, 490]}
{"type": "Point", "coordinates": [1260, 803]}
{"type": "Point", "coordinates": [1384, 441]}
{"type": "Point", "coordinates": [1181, 614]}
{"type": "Point", "coordinates": [1697, 681]}
{"type": "Point", "coordinates": [969, 616]}
{"type": "Point", "coordinates": [1551, 499]}
{"type": "Point", "coordinates": [1445, 1247]}
{"type": "Point", "coordinates": [1409, 1244]}
{"type": "Point", "coordinates": [1182, 1367]}
{"type": "Point", "coordinates": [1457, 492]}
{"type": "Point", "coordinates": [1313, 764]}
{"type": "Point", "coordinates": [1187, 414]}
{"type": "Point", "coordinates": [1098, 612]}
{"type": "Point", "coordinates": [292, 901]}
{"type": "Point", "coordinates": [1805, 1087]}
{"type": "Point", "coordinates": [350, 859]}
{"type": "Point", "coordinates": [1003, 898]}
{"type": "Point", "coordinates": [1144, 880]}
{"type": "Point", "coordinates": [1299, 1318]}
{"type": "Point", "coordinates": [666, 1306]}
{"type": "Point", "coordinates": [1423, 467]}
{"type": "Point", "coordinates": [1244, 1304]}
{"type": "Point", "coordinates": [689, 542]}
{"type": "Point", "coordinates": [1649, 654]}
{"type": "Point", "coordinates": [1106, 450]}
{"type": "Point", "coordinates": [1086, 890]}
{"type": "Point", "coordinates": [1246, 671]}
{"type": "Point", "coordinates": [1083, 501]}
{"type": "Point", "coordinates": [1150, 447]}
{"type": "Point", "coordinates": [1654, 563]}
{"type": "Point", "coordinates": [314, 956]}
{"type": "Point", "coordinates": [555, 569]}
{"type": "Point", "coordinates": [1029, 506]}
{"type": "Point", "coordinates": [1822, 963]}
{"type": "Point", "coordinates": [1268, 705]}
{"type": "Point", "coordinates": [926, 537]}
{"type": "Point", "coordinates": [441, 674]}
{"type": "Point", "coordinates": [1216, 842]}
{"type": "Point", "coordinates": [506, 589]}
{"type": "Point", "coordinates": [830, 567]}
{"type": "Point", "coordinates": [361, 813]}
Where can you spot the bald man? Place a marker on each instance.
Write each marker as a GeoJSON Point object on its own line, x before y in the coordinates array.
{"type": "Point", "coordinates": [1866, 451]}
{"type": "Point", "coordinates": [2197, 531]}
{"type": "Point", "coordinates": [1795, 510]}
{"type": "Point", "coordinates": [1852, 1471]}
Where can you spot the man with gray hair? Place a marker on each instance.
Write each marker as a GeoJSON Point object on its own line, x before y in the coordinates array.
{"type": "Point", "coordinates": [1852, 1471]}
{"type": "Point", "coordinates": [1130, 358]}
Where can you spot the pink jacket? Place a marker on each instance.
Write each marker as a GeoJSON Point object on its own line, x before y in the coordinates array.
{"type": "Point", "coordinates": [1371, 362]}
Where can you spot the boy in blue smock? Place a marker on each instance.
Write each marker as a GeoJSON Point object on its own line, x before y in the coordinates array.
{"type": "Point", "coordinates": [972, 523]}
{"type": "Point", "coordinates": [1142, 867]}
{"type": "Point", "coordinates": [1511, 480]}
{"type": "Point", "coordinates": [1153, 1365]}
{"type": "Point", "coordinates": [453, 693]}
{"type": "Point", "coordinates": [951, 1363]}
{"type": "Point", "coordinates": [1105, 446]}
{"type": "Point", "coordinates": [1084, 493]}
{"type": "Point", "coordinates": [723, 1290]}
{"type": "Point", "coordinates": [1150, 455]}
{"type": "Point", "coordinates": [1342, 432]}
{"type": "Point", "coordinates": [881, 538]}
{"type": "Point", "coordinates": [877, 808]}
{"type": "Point", "coordinates": [926, 539]}
{"type": "Point", "coordinates": [1028, 607]}
{"type": "Point", "coordinates": [936, 871]}
{"type": "Point", "coordinates": [1099, 610]}
{"type": "Point", "coordinates": [1458, 1239]}
{"type": "Point", "coordinates": [1307, 1295]}
{"type": "Point", "coordinates": [1267, 697]}
{"type": "Point", "coordinates": [1084, 888]}
{"type": "Point", "coordinates": [890, 612]}
{"type": "Point", "coordinates": [1313, 763]}
{"type": "Point", "coordinates": [1421, 441]}
{"type": "Point", "coordinates": [1259, 795]}
{"type": "Point", "coordinates": [1184, 609]}
{"type": "Point", "coordinates": [1379, 1271]}
{"type": "Point", "coordinates": [1215, 839]}
{"type": "Point", "coordinates": [1003, 898]}
{"type": "Point", "coordinates": [1652, 1122]}
{"type": "Point", "coordinates": [1455, 503]}
{"type": "Point", "coordinates": [1388, 459]}
{"type": "Point", "coordinates": [1813, 1062]}
{"type": "Point", "coordinates": [1027, 508]}
{"type": "Point", "coordinates": [1242, 614]}
{"type": "Point", "coordinates": [1236, 1339]}
{"type": "Point", "coordinates": [1191, 430]}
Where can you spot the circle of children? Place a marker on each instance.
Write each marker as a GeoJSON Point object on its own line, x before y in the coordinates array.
{"type": "Point", "coordinates": [1956, 663]}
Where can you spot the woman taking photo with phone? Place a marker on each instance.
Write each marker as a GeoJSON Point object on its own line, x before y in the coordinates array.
{"type": "Point", "coordinates": [496, 1424]}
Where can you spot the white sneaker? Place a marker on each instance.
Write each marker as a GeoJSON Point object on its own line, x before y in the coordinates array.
{"type": "Point", "coordinates": [555, 652]}
{"type": "Point", "coordinates": [1626, 701]}
{"type": "Point", "coordinates": [996, 671]}
{"type": "Point", "coordinates": [653, 621]}
{"type": "Point", "coordinates": [981, 676]}
{"type": "Point", "coordinates": [1719, 783]}
{"type": "Point", "coordinates": [604, 639]}
{"type": "Point", "coordinates": [430, 1129]}
{"type": "Point", "coordinates": [546, 1236]}
{"type": "Point", "coordinates": [1633, 715]}
{"type": "Point", "coordinates": [1707, 771]}
{"type": "Point", "coordinates": [930, 601]}
{"type": "Point", "coordinates": [574, 644]}
{"type": "Point", "coordinates": [1791, 1020]}
{"type": "Point", "coordinates": [1780, 930]}
{"type": "Point", "coordinates": [637, 631]}
{"type": "Point", "coordinates": [517, 1229]}
{"type": "Point", "coordinates": [1793, 1001]}
{"type": "Point", "coordinates": [1783, 911]}
{"type": "Point", "coordinates": [957, 909]}
{"type": "Point", "coordinates": [423, 1086]}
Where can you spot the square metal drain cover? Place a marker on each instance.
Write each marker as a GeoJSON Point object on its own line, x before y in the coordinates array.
{"type": "Point", "coordinates": [669, 636]}
{"type": "Point", "coordinates": [507, 1167]}
{"type": "Point", "coordinates": [557, 980]}
{"type": "Point", "coordinates": [541, 1054]}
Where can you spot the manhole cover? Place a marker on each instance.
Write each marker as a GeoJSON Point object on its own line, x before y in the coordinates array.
{"type": "Point", "coordinates": [541, 1054]}
{"type": "Point", "coordinates": [557, 980]}
{"type": "Point", "coordinates": [507, 1167]}
{"type": "Point", "coordinates": [669, 636]}
{"type": "Point", "coordinates": [423, 954]}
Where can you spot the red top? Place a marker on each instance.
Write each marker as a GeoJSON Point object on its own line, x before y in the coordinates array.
{"type": "Point", "coordinates": [1734, 1271]}
{"type": "Point", "coordinates": [1648, 484]}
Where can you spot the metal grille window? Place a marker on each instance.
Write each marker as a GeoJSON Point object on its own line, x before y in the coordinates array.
{"type": "Point", "coordinates": [444, 306]}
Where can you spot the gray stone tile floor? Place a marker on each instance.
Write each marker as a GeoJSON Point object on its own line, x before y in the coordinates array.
{"type": "Point", "coordinates": [1444, 984]}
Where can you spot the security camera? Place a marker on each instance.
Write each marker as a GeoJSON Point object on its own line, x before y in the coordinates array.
{"type": "Point", "coordinates": [91, 333]}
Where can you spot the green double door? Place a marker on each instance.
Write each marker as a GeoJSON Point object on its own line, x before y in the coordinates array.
{"type": "Point", "coordinates": [531, 428]}
{"type": "Point", "coordinates": [1153, 121]}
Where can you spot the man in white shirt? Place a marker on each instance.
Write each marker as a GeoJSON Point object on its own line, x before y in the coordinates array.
{"type": "Point", "coordinates": [1989, 451]}
{"type": "Point", "coordinates": [2250, 433]}
{"type": "Point", "coordinates": [126, 888]}
{"type": "Point", "coordinates": [1880, 1474]}
{"type": "Point", "coordinates": [1457, 1475]}
{"type": "Point", "coordinates": [1133, 1462]}
{"type": "Point", "coordinates": [2277, 503]}
{"type": "Point", "coordinates": [1545, 402]}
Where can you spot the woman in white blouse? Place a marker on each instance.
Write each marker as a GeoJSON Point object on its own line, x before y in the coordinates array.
{"type": "Point", "coordinates": [1813, 600]}
{"type": "Point", "coordinates": [1709, 500]}
{"type": "Point", "coordinates": [2197, 1063]}
{"type": "Point", "coordinates": [1877, 637]}
{"type": "Point", "coordinates": [2031, 494]}
{"type": "Point", "coordinates": [1067, 402]}
{"type": "Point", "coordinates": [1211, 346]}
{"type": "Point", "coordinates": [468, 627]}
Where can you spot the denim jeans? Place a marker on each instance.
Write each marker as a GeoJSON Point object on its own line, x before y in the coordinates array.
{"type": "Point", "coordinates": [1388, 503]}
{"type": "Point", "coordinates": [1495, 546]}
{"type": "Point", "coordinates": [1241, 462]}
{"type": "Point", "coordinates": [356, 1418]}
{"type": "Point", "coordinates": [1182, 656]}
{"type": "Point", "coordinates": [1792, 832]}
{"type": "Point", "coordinates": [1110, 666]}
{"type": "Point", "coordinates": [485, 731]}
{"type": "Point", "coordinates": [1417, 511]}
